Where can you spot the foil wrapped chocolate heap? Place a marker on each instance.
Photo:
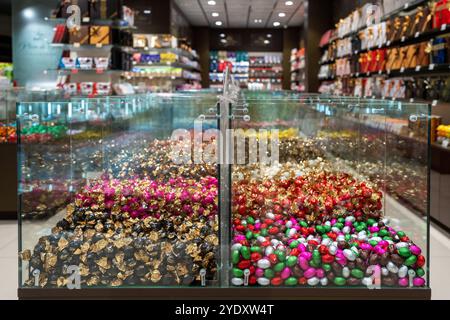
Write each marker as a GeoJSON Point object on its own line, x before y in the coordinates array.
{"type": "Point", "coordinates": [134, 232]}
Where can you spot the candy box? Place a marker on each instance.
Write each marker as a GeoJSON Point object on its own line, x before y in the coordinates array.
{"type": "Point", "coordinates": [68, 63]}
{"type": "Point", "coordinates": [128, 16]}
{"type": "Point", "coordinates": [100, 35]}
{"type": "Point", "coordinates": [70, 88]}
{"type": "Point", "coordinates": [101, 62]}
{"type": "Point", "coordinates": [86, 63]}
{"type": "Point", "coordinates": [80, 36]}
{"type": "Point", "coordinates": [87, 88]}
{"type": "Point", "coordinates": [103, 88]}
{"type": "Point", "coordinates": [61, 12]}
{"type": "Point", "coordinates": [139, 41]}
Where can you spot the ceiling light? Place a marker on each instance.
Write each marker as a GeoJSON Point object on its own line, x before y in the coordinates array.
{"type": "Point", "coordinates": [212, 3]}
{"type": "Point", "coordinates": [266, 41]}
{"type": "Point", "coordinates": [289, 3]}
{"type": "Point", "coordinates": [258, 20]}
{"type": "Point", "coordinates": [269, 35]}
{"type": "Point", "coordinates": [147, 11]}
{"type": "Point", "coordinates": [215, 14]}
{"type": "Point", "coordinates": [282, 14]}
{"type": "Point", "coordinates": [222, 35]}
{"type": "Point", "coordinates": [223, 40]}
{"type": "Point", "coordinates": [276, 24]}
{"type": "Point", "coordinates": [28, 13]}
{"type": "Point", "coordinates": [218, 23]}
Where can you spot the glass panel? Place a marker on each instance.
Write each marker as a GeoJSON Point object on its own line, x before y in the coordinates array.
{"type": "Point", "coordinates": [131, 216]}
{"type": "Point", "coordinates": [325, 215]}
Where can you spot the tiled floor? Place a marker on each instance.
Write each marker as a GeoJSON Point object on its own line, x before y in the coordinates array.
{"type": "Point", "coordinates": [439, 258]}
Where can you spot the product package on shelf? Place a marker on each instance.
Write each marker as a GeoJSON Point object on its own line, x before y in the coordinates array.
{"type": "Point", "coordinates": [100, 35]}
{"type": "Point", "coordinates": [61, 11]}
{"type": "Point", "coordinates": [79, 36]}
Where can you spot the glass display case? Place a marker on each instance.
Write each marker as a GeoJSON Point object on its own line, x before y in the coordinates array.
{"type": "Point", "coordinates": [197, 195]}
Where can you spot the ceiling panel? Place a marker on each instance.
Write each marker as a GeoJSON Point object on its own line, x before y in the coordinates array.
{"type": "Point", "coordinates": [243, 13]}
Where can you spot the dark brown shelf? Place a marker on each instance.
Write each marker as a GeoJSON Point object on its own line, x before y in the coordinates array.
{"type": "Point", "coordinates": [260, 293]}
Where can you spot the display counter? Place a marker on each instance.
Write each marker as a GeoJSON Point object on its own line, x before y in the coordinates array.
{"type": "Point", "coordinates": [140, 197]}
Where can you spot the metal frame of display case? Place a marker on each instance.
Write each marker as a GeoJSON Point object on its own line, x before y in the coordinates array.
{"type": "Point", "coordinates": [224, 115]}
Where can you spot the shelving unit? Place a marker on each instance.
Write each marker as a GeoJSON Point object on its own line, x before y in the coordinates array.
{"type": "Point", "coordinates": [298, 70]}
{"type": "Point", "coordinates": [341, 76]}
{"type": "Point", "coordinates": [266, 71]}
{"type": "Point", "coordinates": [151, 70]}
{"type": "Point", "coordinates": [113, 50]}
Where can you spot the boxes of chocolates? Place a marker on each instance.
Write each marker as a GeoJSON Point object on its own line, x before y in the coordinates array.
{"type": "Point", "coordinates": [100, 35]}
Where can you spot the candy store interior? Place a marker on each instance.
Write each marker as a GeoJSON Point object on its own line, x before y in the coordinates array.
{"type": "Point", "coordinates": [246, 148]}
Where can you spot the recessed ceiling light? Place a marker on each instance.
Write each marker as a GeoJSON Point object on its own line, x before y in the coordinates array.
{"type": "Point", "coordinates": [269, 35]}
{"type": "Point", "coordinates": [215, 14]}
{"type": "Point", "coordinates": [147, 11]}
{"type": "Point", "coordinates": [266, 41]}
{"type": "Point", "coordinates": [282, 14]}
{"type": "Point", "coordinates": [218, 23]}
{"type": "Point", "coordinates": [258, 20]}
{"type": "Point", "coordinates": [212, 3]}
{"type": "Point", "coordinates": [222, 35]}
{"type": "Point", "coordinates": [289, 3]}
{"type": "Point", "coordinates": [276, 24]}
{"type": "Point", "coordinates": [223, 40]}
{"type": "Point", "coordinates": [28, 13]}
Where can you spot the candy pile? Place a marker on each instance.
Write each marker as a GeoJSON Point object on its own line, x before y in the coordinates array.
{"type": "Point", "coordinates": [317, 196]}
{"type": "Point", "coordinates": [8, 134]}
{"type": "Point", "coordinates": [134, 232]}
{"type": "Point", "coordinates": [154, 162]}
{"type": "Point", "coordinates": [142, 198]}
{"type": "Point", "coordinates": [42, 133]}
{"type": "Point", "coordinates": [284, 250]}
{"type": "Point", "coordinates": [168, 251]}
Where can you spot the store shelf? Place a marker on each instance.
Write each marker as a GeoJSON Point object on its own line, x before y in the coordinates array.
{"type": "Point", "coordinates": [113, 23]}
{"type": "Point", "coordinates": [154, 77]}
{"type": "Point", "coordinates": [419, 71]}
{"type": "Point", "coordinates": [178, 51]}
{"type": "Point", "coordinates": [298, 70]}
{"type": "Point", "coordinates": [82, 71]}
{"type": "Point", "coordinates": [408, 6]}
{"type": "Point", "coordinates": [169, 64]}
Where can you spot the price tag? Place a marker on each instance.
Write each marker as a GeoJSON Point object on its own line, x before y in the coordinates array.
{"type": "Point", "coordinates": [76, 45]}
{"type": "Point", "coordinates": [403, 39]}
{"type": "Point", "coordinates": [357, 74]}
{"type": "Point", "coordinates": [99, 45]}
{"type": "Point", "coordinates": [99, 70]}
{"type": "Point", "coordinates": [389, 72]}
{"type": "Point", "coordinates": [356, 51]}
{"type": "Point", "coordinates": [74, 71]}
{"type": "Point", "coordinates": [417, 34]}
{"type": "Point", "coordinates": [445, 143]}
{"type": "Point", "coordinates": [402, 70]}
{"type": "Point", "coordinates": [368, 73]}
{"type": "Point", "coordinates": [388, 43]}
{"type": "Point", "coordinates": [418, 68]}
{"type": "Point", "coordinates": [444, 27]}
{"type": "Point", "coordinates": [431, 67]}
{"type": "Point", "coordinates": [434, 103]}
{"type": "Point", "coordinates": [411, 100]}
{"type": "Point", "coordinates": [380, 72]}
{"type": "Point", "coordinates": [86, 19]}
